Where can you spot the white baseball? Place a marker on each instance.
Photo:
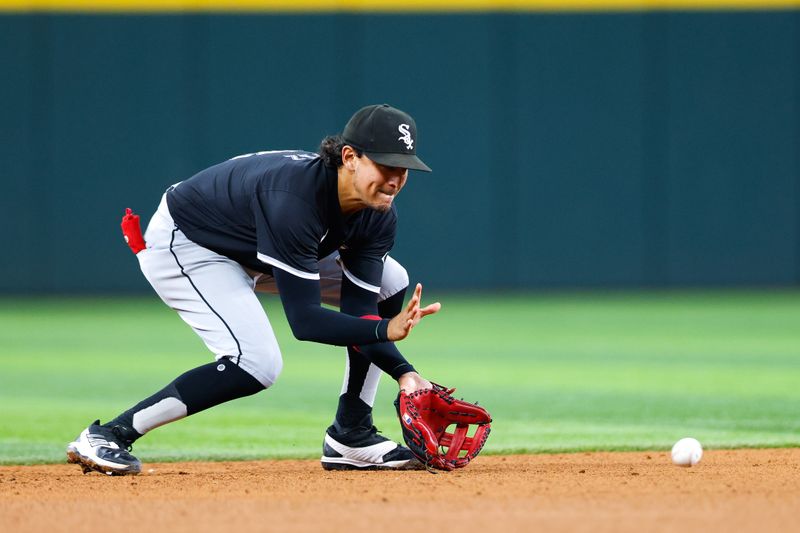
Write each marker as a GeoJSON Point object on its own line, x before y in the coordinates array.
{"type": "Point", "coordinates": [687, 452]}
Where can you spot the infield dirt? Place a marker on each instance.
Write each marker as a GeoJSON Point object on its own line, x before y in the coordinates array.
{"type": "Point", "coordinates": [735, 490]}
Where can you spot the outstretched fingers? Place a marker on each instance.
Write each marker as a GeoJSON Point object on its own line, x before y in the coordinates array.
{"type": "Point", "coordinates": [430, 309]}
{"type": "Point", "coordinates": [416, 298]}
{"type": "Point", "coordinates": [416, 312]}
{"type": "Point", "coordinates": [411, 315]}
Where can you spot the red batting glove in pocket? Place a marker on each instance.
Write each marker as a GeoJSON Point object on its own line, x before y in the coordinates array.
{"type": "Point", "coordinates": [132, 231]}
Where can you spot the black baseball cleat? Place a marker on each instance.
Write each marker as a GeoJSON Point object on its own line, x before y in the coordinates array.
{"type": "Point", "coordinates": [363, 449]}
{"type": "Point", "coordinates": [103, 450]}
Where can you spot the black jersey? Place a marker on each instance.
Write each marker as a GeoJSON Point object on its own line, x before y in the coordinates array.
{"type": "Point", "coordinates": [281, 210]}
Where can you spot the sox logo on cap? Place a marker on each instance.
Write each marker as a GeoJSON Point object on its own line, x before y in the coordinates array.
{"type": "Point", "coordinates": [406, 138]}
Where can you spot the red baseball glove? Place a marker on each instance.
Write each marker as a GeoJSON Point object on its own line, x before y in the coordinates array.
{"type": "Point", "coordinates": [425, 416]}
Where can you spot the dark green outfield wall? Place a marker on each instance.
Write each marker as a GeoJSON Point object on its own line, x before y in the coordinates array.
{"type": "Point", "coordinates": [569, 150]}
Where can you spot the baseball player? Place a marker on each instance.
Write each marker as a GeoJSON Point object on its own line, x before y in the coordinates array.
{"type": "Point", "coordinates": [312, 228]}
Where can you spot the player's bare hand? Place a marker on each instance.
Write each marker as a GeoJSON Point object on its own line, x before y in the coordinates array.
{"type": "Point", "coordinates": [401, 325]}
{"type": "Point", "coordinates": [412, 382]}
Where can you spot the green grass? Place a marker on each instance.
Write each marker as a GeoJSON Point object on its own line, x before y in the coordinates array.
{"type": "Point", "coordinates": [559, 372]}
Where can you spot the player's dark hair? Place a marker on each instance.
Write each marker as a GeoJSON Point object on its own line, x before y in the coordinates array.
{"type": "Point", "coordinates": [330, 149]}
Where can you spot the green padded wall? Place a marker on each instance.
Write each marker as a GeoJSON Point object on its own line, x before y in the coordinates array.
{"type": "Point", "coordinates": [569, 150]}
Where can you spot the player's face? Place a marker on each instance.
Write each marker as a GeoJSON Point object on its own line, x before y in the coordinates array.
{"type": "Point", "coordinates": [377, 184]}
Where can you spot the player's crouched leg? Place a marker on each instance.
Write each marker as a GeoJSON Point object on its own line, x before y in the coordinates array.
{"type": "Point", "coordinates": [352, 442]}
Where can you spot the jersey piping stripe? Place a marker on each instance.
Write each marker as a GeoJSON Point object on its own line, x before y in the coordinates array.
{"type": "Point", "coordinates": [363, 284]}
{"type": "Point", "coordinates": [200, 294]}
{"type": "Point", "coordinates": [283, 266]}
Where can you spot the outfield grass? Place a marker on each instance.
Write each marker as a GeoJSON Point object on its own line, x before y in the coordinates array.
{"type": "Point", "coordinates": [559, 372]}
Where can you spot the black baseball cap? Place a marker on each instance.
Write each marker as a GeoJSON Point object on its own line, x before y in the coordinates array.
{"type": "Point", "coordinates": [386, 135]}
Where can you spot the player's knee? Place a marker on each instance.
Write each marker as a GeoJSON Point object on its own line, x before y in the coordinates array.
{"type": "Point", "coordinates": [275, 369]}
{"type": "Point", "coordinates": [264, 363]}
{"type": "Point", "coordinates": [395, 278]}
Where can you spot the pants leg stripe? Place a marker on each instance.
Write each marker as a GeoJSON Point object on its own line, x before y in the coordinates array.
{"type": "Point", "coordinates": [238, 346]}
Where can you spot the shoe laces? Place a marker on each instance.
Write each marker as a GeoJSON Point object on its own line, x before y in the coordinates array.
{"type": "Point", "coordinates": [120, 438]}
{"type": "Point", "coordinates": [368, 431]}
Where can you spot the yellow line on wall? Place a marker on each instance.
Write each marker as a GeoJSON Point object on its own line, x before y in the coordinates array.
{"type": "Point", "coordinates": [221, 6]}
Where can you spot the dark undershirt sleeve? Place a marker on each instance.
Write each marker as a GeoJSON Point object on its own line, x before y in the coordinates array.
{"type": "Point", "coordinates": [311, 322]}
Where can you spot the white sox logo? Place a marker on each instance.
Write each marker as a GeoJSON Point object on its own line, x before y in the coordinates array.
{"type": "Point", "coordinates": [406, 138]}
